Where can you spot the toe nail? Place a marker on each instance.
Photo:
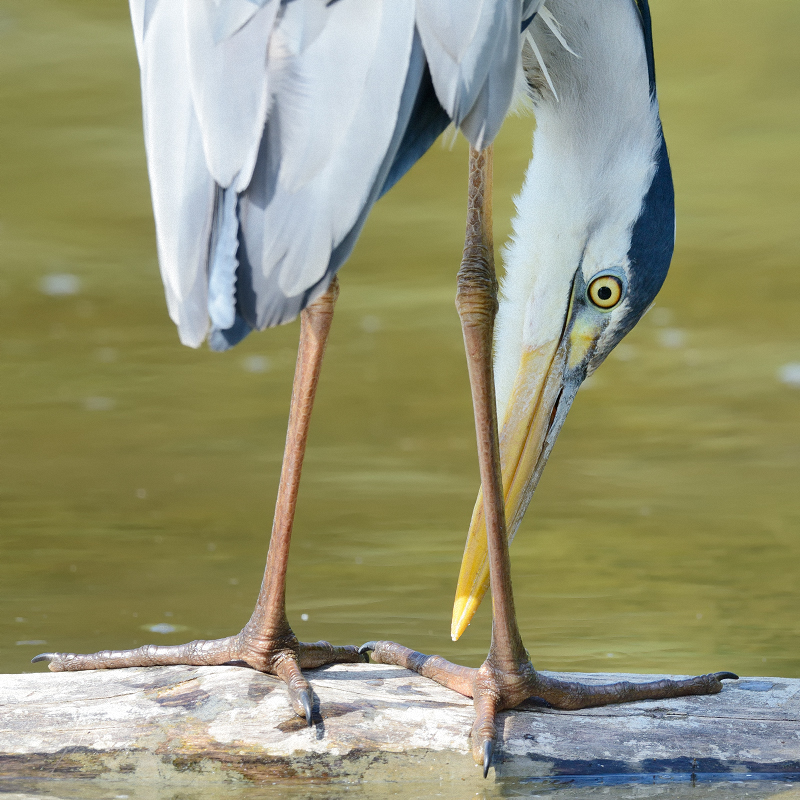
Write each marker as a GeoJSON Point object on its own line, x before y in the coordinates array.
{"type": "Point", "coordinates": [367, 647]}
{"type": "Point", "coordinates": [48, 657]}
{"type": "Point", "coordinates": [305, 699]}
{"type": "Point", "coordinates": [730, 676]}
{"type": "Point", "coordinates": [488, 750]}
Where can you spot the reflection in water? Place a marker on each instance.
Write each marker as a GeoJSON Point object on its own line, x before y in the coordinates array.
{"type": "Point", "coordinates": [138, 476]}
{"type": "Point", "coordinates": [424, 788]}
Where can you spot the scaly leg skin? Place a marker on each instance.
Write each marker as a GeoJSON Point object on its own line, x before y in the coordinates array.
{"type": "Point", "coordinates": [266, 643]}
{"type": "Point", "coordinates": [507, 677]}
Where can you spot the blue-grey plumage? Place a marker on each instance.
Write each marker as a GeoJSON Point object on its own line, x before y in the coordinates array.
{"type": "Point", "coordinates": [276, 125]}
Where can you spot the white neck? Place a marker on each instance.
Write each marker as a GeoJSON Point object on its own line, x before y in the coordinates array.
{"type": "Point", "coordinates": [593, 160]}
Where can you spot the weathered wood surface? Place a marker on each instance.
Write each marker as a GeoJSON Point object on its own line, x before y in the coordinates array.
{"type": "Point", "coordinates": [372, 722]}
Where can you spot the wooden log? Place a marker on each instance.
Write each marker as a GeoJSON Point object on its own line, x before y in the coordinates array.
{"type": "Point", "coordinates": [183, 725]}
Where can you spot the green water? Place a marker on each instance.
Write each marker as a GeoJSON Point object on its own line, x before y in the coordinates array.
{"type": "Point", "coordinates": [137, 477]}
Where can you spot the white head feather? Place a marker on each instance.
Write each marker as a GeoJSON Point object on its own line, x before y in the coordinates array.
{"type": "Point", "coordinates": [593, 160]}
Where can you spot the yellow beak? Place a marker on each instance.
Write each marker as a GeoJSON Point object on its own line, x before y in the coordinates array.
{"type": "Point", "coordinates": [526, 437]}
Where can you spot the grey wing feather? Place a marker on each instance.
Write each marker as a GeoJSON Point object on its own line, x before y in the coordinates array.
{"type": "Point", "coordinates": [231, 15]}
{"type": "Point", "coordinates": [182, 187]}
{"type": "Point", "coordinates": [473, 49]}
{"type": "Point", "coordinates": [229, 83]}
{"type": "Point", "coordinates": [328, 132]}
{"type": "Point", "coordinates": [271, 127]}
{"type": "Point", "coordinates": [141, 13]}
{"type": "Point", "coordinates": [482, 123]}
{"type": "Point", "coordinates": [262, 298]}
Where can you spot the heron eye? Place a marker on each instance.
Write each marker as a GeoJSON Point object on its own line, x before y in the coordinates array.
{"type": "Point", "coordinates": [606, 291]}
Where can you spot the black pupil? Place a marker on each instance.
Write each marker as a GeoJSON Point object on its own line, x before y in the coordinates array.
{"type": "Point", "coordinates": [604, 293]}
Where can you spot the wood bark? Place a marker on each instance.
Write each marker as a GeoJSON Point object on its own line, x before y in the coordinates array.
{"type": "Point", "coordinates": [190, 725]}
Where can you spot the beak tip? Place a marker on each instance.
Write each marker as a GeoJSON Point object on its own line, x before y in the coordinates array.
{"type": "Point", "coordinates": [473, 583]}
{"type": "Point", "coordinates": [462, 616]}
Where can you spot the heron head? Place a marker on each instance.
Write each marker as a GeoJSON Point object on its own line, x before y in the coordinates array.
{"type": "Point", "coordinates": [583, 274]}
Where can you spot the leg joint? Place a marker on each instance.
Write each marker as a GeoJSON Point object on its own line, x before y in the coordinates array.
{"type": "Point", "coordinates": [476, 293]}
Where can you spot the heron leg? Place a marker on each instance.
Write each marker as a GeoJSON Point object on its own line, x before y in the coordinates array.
{"type": "Point", "coordinates": [267, 642]}
{"type": "Point", "coordinates": [507, 677]}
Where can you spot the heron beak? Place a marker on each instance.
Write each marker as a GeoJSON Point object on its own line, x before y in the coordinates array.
{"type": "Point", "coordinates": [548, 378]}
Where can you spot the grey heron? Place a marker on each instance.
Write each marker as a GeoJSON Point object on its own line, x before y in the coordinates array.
{"type": "Point", "coordinates": [272, 128]}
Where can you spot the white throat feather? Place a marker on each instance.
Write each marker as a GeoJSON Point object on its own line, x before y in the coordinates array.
{"type": "Point", "coordinates": [594, 152]}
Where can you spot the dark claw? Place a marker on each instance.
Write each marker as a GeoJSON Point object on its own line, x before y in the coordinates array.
{"type": "Point", "coordinates": [367, 647]}
{"type": "Point", "coordinates": [305, 700]}
{"type": "Point", "coordinates": [722, 676]}
{"type": "Point", "coordinates": [48, 657]}
{"type": "Point", "coordinates": [488, 750]}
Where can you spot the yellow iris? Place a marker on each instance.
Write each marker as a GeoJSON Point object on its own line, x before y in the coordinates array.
{"type": "Point", "coordinates": [606, 291]}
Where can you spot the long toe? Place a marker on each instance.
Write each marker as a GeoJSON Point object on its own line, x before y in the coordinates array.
{"type": "Point", "coordinates": [484, 731]}
{"type": "Point", "coordinates": [198, 654]}
{"type": "Point", "coordinates": [311, 655]}
{"type": "Point", "coordinates": [569, 695]}
{"type": "Point", "coordinates": [453, 676]}
{"type": "Point", "coordinates": [300, 694]}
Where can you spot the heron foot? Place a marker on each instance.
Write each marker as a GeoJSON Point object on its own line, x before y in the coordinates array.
{"type": "Point", "coordinates": [279, 654]}
{"type": "Point", "coordinates": [496, 687]}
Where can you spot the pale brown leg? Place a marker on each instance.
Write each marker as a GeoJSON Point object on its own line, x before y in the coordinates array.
{"type": "Point", "coordinates": [266, 642]}
{"type": "Point", "coordinates": [507, 677]}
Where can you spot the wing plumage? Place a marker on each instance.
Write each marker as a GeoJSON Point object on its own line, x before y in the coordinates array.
{"type": "Point", "coordinates": [272, 127]}
{"type": "Point", "coordinates": [229, 86]}
{"type": "Point", "coordinates": [183, 189]}
{"type": "Point", "coordinates": [472, 48]}
{"type": "Point", "coordinates": [323, 145]}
